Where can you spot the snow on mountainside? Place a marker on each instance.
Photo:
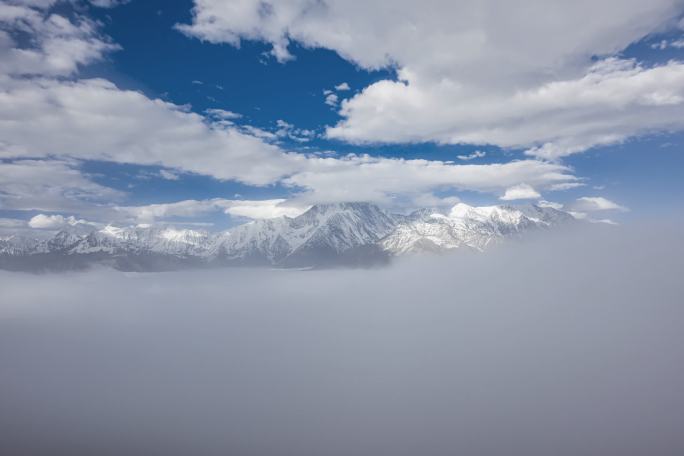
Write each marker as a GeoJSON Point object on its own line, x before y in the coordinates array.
{"type": "Point", "coordinates": [324, 230]}
{"type": "Point", "coordinates": [326, 234]}
{"type": "Point", "coordinates": [469, 227]}
{"type": "Point", "coordinates": [141, 240]}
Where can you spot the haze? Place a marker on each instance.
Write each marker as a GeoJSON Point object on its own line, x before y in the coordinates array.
{"type": "Point", "coordinates": [565, 345]}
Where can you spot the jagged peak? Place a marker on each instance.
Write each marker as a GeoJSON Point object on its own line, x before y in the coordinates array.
{"type": "Point", "coordinates": [356, 206]}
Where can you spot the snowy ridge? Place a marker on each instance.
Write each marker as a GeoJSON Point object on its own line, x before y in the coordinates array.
{"type": "Point", "coordinates": [327, 234]}
{"type": "Point", "coordinates": [469, 227]}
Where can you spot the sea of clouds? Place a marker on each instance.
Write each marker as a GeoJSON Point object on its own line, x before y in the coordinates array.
{"type": "Point", "coordinates": [565, 345]}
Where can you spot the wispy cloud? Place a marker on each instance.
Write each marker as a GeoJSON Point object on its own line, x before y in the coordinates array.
{"type": "Point", "coordinates": [474, 155]}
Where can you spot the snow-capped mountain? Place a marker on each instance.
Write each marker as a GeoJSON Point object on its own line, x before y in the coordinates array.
{"type": "Point", "coordinates": [322, 234]}
{"type": "Point", "coordinates": [469, 227]}
{"type": "Point", "coordinates": [143, 240]}
{"type": "Point", "coordinates": [326, 234]}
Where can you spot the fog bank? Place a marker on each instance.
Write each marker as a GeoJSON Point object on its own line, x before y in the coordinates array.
{"type": "Point", "coordinates": [567, 345]}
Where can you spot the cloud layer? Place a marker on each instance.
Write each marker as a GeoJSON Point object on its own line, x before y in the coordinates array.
{"type": "Point", "coordinates": [566, 346]}
{"type": "Point", "coordinates": [488, 78]}
{"type": "Point", "coordinates": [56, 123]}
{"type": "Point", "coordinates": [519, 74]}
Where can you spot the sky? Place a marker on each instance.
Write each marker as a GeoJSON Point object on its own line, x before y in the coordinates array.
{"type": "Point", "coordinates": [210, 113]}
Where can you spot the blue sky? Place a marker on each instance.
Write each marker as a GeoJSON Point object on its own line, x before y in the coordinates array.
{"type": "Point", "coordinates": [437, 109]}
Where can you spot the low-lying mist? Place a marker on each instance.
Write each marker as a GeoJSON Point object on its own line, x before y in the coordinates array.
{"type": "Point", "coordinates": [565, 345]}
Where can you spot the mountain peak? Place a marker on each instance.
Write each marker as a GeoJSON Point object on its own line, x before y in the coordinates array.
{"type": "Point", "coordinates": [354, 206]}
{"type": "Point", "coordinates": [460, 210]}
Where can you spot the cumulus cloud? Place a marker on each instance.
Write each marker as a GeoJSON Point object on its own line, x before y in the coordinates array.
{"type": "Point", "coordinates": [342, 87]}
{"type": "Point", "coordinates": [58, 45]}
{"type": "Point", "coordinates": [331, 99]}
{"type": "Point", "coordinates": [614, 100]}
{"type": "Point", "coordinates": [461, 35]}
{"type": "Point", "coordinates": [253, 209]}
{"type": "Point", "coordinates": [287, 130]}
{"type": "Point", "coordinates": [125, 126]}
{"type": "Point", "coordinates": [263, 209]}
{"type": "Point", "coordinates": [520, 191]}
{"type": "Point", "coordinates": [392, 182]}
{"type": "Point", "coordinates": [516, 75]}
{"type": "Point", "coordinates": [55, 222]}
{"type": "Point", "coordinates": [358, 178]}
{"type": "Point", "coordinates": [51, 123]}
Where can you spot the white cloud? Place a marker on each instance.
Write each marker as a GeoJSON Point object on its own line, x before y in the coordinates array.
{"type": "Point", "coordinates": [359, 178]}
{"type": "Point", "coordinates": [168, 175]}
{"type": "Point", "coordinates": [585, 217]}
{"type": "Point", "coordinates": [474, 155]}
{"type": "Point", "coordinates": [612, 101]}
{"type": "Point", "coordinates": [49, 125]}
{"type": "Point", "coordinates": [284, 128]}
{"type": "Point", "coordinates": [51, 185]}
{"type": "Point", "coordinates": [566, 186]}
{"type": "Point", "coordinates": [55, 222]}
{"type": "Point", "coordinates": [108, 3]}
{"type": "Point", "coordinates": [551, 204]}
{"type": "Point", "coordinates": [596, 203]}
{"type": "Point", "coordinates": [331, 99]}
{"type": "Point", "coordinates": [152, 212]}
{"type": "Point", "coordinates": [604, 221]}
{"type": "Point", "coordinates": [94, 120]}
{"type": "Point", "coordinates": [40, 4]}
{"type": "Point", "coordinates": [520, 191]}
{"type": "Point", "coordinates": [58, 46]}
{"type": "Point", "coordinates": [263, 209]}
{"type": "Point", "coordinates": [582, 207]}
{"type": "Point", "coordinates": [513, 74]}
{"type": "Point", "coordinates": [287, 130]}
{"type": "Point", "coordinates": [10, 223]}
{"type": "Point", "coordinates": [430, 200]}
{"type": "Point", "coordinates": [664, 44]}
{"type": "Point", "coordinates": [579, 215]}
{"type": "Point", "coordinates": [660, 45]}
{"type": "Point", "coordinates": [223, 114]}
{"type": "Point", "coordinates": [342, 87]}
{"type": "Point", "coordinates": [463, 35]}
{"type": "Point", "coordinates": [254, 209]}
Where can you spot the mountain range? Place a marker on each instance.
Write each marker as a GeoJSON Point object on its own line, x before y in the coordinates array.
{"type": "Point", "coordinates": [326, 235]}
